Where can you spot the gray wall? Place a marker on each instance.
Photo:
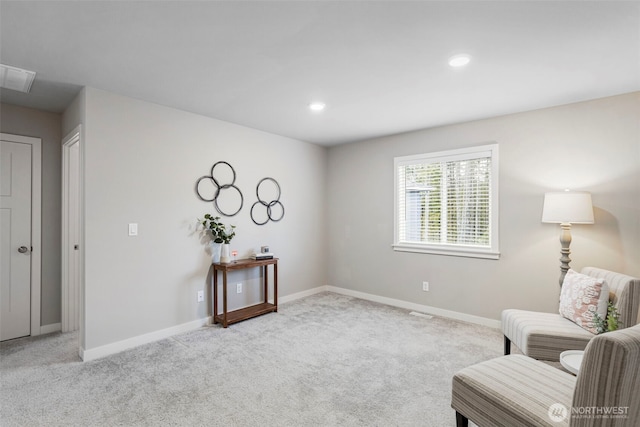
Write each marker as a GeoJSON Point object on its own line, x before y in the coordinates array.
{"type": "Point", "coordinates": [592, 146]}
{"type": "Point", "coordinates": [141, 164]}
{"type": "Point", "coordinates": [142, 160]}
{"type": "Point", "coordinates": [47, 127]}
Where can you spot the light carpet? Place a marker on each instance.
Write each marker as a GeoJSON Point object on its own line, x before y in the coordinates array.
{"type": "Point", "coordinates": [325, 360]}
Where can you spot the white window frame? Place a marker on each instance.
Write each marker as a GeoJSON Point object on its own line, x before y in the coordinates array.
{"type": "Point", "coordinates": [490, 252]}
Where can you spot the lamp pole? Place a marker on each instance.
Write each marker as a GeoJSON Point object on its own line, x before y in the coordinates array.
{"type": "Point", "coordinates": [565, 241]}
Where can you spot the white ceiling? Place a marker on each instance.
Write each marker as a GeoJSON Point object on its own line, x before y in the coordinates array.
{"type": "Point", "coordinates": [380, 66]}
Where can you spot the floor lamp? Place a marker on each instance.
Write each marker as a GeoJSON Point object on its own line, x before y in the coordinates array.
{"type": "Point", "coordinates": [566, 208]}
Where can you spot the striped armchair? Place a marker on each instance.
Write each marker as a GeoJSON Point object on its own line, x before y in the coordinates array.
{"type": "Point", "coordinates": [517, 390]}
{"type": "Point", "coordinates": [545, 335]}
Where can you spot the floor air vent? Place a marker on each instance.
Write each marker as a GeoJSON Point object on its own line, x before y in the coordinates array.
{"type": "Point", "coordinates": [426, 316]}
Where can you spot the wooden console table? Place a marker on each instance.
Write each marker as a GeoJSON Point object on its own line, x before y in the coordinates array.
{"type": "Point", "coordinates": [229, 317]}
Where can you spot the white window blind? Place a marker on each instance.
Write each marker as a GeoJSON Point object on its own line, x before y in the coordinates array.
{"type": "Point", "coordinates": [446, 202]}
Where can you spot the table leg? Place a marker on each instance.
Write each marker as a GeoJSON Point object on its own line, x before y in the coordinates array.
{"type": "Point", "coordinates": [224, 299]}
{"type": "Point", "coordinates": [275, 285]}
{"type": "Point", "coordinates": [214, 309]}
{"type": "Point", "coordinates": [265, 280]}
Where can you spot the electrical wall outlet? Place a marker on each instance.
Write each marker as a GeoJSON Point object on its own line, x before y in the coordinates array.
{"type": "Point", "coordinates": [239, 288]}
{"type": "Point", "coordinates": [200, 296]}
{"type": "Point", "coordinates": [425, 286]}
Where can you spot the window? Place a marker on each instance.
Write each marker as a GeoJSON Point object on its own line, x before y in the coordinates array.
{"type": "Point", "coordinates": [447, 202]}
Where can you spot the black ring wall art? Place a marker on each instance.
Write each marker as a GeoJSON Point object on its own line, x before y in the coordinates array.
{"type": "Point", "coordinates": [271, 213]}
{"type": "Point", "coordinates": [273, 208]}
{"type": "Point", "coordinates": [219, 188]}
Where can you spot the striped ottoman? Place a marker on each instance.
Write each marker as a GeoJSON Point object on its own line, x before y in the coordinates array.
{"type": "Point", "coordinates": [512, 391]}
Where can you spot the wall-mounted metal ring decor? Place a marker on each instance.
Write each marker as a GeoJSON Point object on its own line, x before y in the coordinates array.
{"type": "Point", "coordinates": [219, 187]}
{"type": "Point", "coordinates": [268, 205]}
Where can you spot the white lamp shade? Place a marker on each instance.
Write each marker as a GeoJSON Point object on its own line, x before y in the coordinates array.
{"type": "Point", "coordinates": [573, 207]}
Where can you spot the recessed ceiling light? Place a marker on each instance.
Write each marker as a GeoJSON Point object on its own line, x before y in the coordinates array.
{"type": "Point", "coordinates": [460, 60]}
{"type": "Point", "coordinates": [317, 106]}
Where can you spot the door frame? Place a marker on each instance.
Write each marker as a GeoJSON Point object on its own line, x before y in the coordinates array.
{"type": "Point", "coordinates": [36, 223]}
{"type": "Point", "coordinates": [72, 299]}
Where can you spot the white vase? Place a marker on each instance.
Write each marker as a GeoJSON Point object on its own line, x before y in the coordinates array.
{"type": "Point", "coordinates": [215, 252]}
{"type": "Point", "coordinates": [225, 255]}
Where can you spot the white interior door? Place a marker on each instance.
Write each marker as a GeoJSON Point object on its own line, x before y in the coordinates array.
{"type": "Point", "coordinates": [10, 241]}
{"type": "Point", "coordinates": [15, 248]}
{"type": "Point", "coordinates": [71, 284]}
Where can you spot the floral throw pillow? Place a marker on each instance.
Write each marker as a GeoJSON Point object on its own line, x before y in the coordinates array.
{"type": "Point", "coordinates": [581, 296]}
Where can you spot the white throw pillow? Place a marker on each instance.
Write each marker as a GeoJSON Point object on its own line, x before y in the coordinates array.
{"type": "Point", "coordinates": [581, 296]}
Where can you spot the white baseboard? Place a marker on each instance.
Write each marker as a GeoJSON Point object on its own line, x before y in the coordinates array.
{"type": "Point", "coordinates": [484, 321]}
{"type": "Point", "coordinates": [48, 329]}
{"type": "Point", "coordinates": [302, 294]}
{"type": "Point", "coordinates": [117, 347]}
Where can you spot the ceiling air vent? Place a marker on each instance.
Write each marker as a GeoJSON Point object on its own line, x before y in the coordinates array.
{"type": "Point", "coordinates": [16, 78]}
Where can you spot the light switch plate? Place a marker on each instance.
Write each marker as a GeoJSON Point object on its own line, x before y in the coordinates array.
{"type": "Point", "coordinates": [133, 229]}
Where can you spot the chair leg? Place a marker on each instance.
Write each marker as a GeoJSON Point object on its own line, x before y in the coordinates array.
{"type": "Point", "coordinates": [461, 420]}
{"type": "Point", "coordinates": [507, 345]}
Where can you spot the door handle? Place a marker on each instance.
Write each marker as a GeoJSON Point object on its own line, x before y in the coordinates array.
{"type": "Point", "coordinates": [23, 249]}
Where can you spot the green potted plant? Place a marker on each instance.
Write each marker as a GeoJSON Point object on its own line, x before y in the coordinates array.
{"type": "Point", "coordinates": [221, 236]}
{"type": "Point", "coordinates": [609, 323]}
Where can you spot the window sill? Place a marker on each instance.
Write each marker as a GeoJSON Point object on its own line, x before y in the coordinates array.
{"type": "Point", "coordinates": [468, 252]}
